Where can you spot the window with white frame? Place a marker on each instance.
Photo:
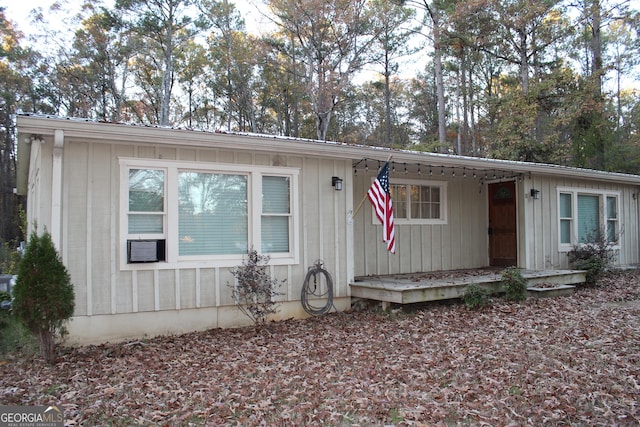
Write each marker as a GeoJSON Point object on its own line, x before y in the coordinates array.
{"type": "Point", "coordinates": [210, 213]}
{"type": "Point", "coordinates": [419, 202]}
{"type": "Point", "coordinates": [584, 214]}
{"type": "Point", "coordinates": [276, 213]}
{"type": "Point", "coordinates": [146, 207]}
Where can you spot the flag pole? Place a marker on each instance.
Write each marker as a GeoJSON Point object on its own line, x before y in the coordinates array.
{"type": "Point", "coordinates": [365, 195]}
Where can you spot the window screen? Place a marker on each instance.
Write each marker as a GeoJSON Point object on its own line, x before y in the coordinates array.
{"type": "Point", "coordinates": [276, 213]}
{"type": "Point", "coordinates": [146, 201]}
{"type": "Point", "coordinates": [588, 218]}
{"type": "Point", "coordinates": [612, 219]}
{"type": "Point", "coordinates": [566, 218]}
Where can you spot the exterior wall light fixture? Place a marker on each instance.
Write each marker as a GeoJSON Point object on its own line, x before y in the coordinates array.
{"type": "Point", "coordinates": [535, 194]}
{"type": "Point", "coordinates": [336, 183]}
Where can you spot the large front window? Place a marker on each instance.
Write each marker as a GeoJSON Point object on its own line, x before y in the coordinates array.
{"type": "Point", "coordinates": [586, 216]}
{"type": "Point", "coordinates": [211, 213]}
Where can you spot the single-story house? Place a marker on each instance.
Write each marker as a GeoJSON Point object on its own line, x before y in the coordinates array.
{"type": "Point", "coordinates": [150, 220]}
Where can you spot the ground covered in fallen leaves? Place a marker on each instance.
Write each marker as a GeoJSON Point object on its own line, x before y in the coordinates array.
{"type": "Point", "coordinates": [571, 360]}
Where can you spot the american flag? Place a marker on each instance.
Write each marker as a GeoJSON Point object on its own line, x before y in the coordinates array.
{"type": "Point", "coordinates": [380, 198]}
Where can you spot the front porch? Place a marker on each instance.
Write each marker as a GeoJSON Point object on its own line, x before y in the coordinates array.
{"type": "Point", "coordinates": [442, 285]}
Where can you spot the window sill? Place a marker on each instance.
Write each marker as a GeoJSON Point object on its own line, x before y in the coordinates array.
{"type": "Point", "coordinates": [191, 264]}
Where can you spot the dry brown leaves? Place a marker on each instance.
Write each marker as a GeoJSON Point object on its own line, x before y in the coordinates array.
{"type": "Point", "coordinates": [559, 361]}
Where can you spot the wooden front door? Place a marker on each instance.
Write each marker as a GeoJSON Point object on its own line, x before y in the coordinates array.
{"type": "Point", "coordinates": [503, 241]}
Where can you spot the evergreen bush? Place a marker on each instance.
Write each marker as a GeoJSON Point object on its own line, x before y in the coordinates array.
{"type": "Point", "coordinates": [43, 294]}
{"type": "Point", "coordinates": [475, 296]}
{"type": "Point", "coordinates": [515, 286]}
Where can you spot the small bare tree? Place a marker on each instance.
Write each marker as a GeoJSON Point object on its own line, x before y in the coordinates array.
{"type": "Point", "coordinates": [255, 291]}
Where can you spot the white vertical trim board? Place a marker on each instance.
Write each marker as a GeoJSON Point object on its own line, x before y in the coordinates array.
{"type": "Point", "coordinates": [198, 289]}
{"type": "Point", "coordinates": [178, 288]}
{"type": "Point", "coordinates": [88, 232]}
{"type": "Point", "coordinates": [56, 187]}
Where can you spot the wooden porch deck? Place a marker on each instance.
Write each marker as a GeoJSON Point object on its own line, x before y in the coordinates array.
{"type": "Point", "coordinates": [423, 287]}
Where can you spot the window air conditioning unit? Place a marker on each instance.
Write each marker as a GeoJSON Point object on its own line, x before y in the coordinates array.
{"type": "Point", "coordinates": [145, 251]}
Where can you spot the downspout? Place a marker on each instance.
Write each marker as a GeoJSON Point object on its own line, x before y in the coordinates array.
{"type": "Point", "coordinates": [56, 189]}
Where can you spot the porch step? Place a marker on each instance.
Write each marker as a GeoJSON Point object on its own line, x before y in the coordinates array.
{"type": "Point", "coordinates": [423, 287]}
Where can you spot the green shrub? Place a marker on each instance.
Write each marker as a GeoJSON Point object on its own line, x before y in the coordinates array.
{"type": "Point", "coordinates": [14, 336]}
{"type": "Point", "coordinates": [255, 292]}
{"type": "Point", "coordinates": [9, 258]}
{"type": "Point", "coordinates": [43, 294]}
{"type": "Point", "coordinates": [515, 286]}
{"type": "Point", "coordinates": [475, 296]}
{"type": "Point", "coordinates": [9, 254]}
{"type": "Point", "coordinates": [593, 257]}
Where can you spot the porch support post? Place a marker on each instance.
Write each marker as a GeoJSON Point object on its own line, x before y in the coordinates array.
{"type": "Point", "coordinates": [56, 189]}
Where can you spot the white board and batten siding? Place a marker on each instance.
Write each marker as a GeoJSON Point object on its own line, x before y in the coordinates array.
{"type": "Point", "coordinates": [461, 242]}
{"type": "Point", "coordinates": [539, 238]}
{"type": "Point", "coordinates": [115, 300]}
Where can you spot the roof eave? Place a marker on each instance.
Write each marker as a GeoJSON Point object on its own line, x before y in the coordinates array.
{"type": "Point", "coordinates": [141, 134]}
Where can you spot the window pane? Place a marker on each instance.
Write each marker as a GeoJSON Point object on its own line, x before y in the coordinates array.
{"type": "Point", "coordinates": [212, 214]}
{"type": "Point", "coordinates": [565, 231]}
{"type": "Point", "coordinates": [275, 194]}
{"type": "Point", "coordinates": [417, 196]}
{"type": "Point", "coordinates": [146, 194]}
{"type": "Point", "coordinates": [275, 213]}
{"type": "Point", "coordinates": [146, 190]}
{"type": "Point", "coordinates": [420, 196]}
{"type": "Point", "coordinates": [612, 207]}
{"type": "Point", "coordinates": [425, 193]}
{"type": "Point", "coordinates": [435, 194]}
{"type": "Point", "coordinates": [399, 196]}
{"type": "Point", "coordinates": [588, 218]}
{"type": "Point", "coordinates": [145, 224]}
{"type": "Point", "coordinates": [435, 211]}
{"type": "Point", "coordinates": [612, 234]}
{"type": "Point", "coordinates": [565, 205]}
{"type": "Point", "coordinates": [425, 202]}
{"type": "Point", "coordinates": [275, 234]}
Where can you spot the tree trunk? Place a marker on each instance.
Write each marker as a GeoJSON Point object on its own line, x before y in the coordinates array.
{"type": "Point", "coordinates": [48, 346]}
{"type": "Point", "coordinates": [596, 45]}
{"type": "Point", "coordinates": [322, 119]}
{"type": "Point", "coordinates": [524, 63]}
{"type": "Point", "coordinates": [442, 117]}
{"type": "Point", "coordinates": [167, 79]}
{"type": "Point", "coordinates": [472, 131]}
{"type": "Point", "coordinates": [465, 103]}
{"type": "Point", "coordinates": [459, 136]}
{"type": "Point", "coordinates": [387, 101]}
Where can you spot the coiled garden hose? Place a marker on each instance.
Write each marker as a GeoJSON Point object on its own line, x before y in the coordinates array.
{"type": "Point", "coordinates": [317, 287]}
